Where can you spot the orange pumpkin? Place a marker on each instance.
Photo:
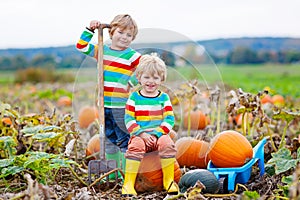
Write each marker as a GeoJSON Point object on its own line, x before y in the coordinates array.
{"type": "Point", "coordinates": [93, 146]}
{"type": "Point", "coordinates": [278, 100]}
{"type": "Point", "coordinates": [150, 176]}
{"type": "Point", "coordinates": [64, 101]}
{"type": "Point", "coordinates": [87, 115]}
{"type": "Point", "coordinates": [229, 149]}
{"type": "Point", "coordinates": [198, 120]}
{"type": "Point", "coordinates": [266, 99]}
{"type": "Point", "coordinates": [6, 121]}
{"type": "Point", "coordinates": [191, 152]}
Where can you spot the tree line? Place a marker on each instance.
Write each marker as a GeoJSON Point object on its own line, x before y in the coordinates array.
{"type": "Point", "coordinates": [244, 55]}
{"type": "Point", "coordinates": [239, 55]}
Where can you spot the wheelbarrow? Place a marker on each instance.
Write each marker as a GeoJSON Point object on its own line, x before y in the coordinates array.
{"type": "Point", "coordinates": [97, 168]}
{"type": "Point", "coordinates": [240, 174]}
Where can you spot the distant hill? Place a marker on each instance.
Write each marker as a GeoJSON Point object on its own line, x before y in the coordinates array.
{"type": "Point", "coordinates": [29, 53]}
{"type": "Point", "coordinates": [215, 46]}
{"type": "Point", "coordinates": [223, 46]}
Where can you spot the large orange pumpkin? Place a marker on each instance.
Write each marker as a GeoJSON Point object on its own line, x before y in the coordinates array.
{"type": "Point", "coordinates": [229, 149]}
{"type": "Point", "coordinates": [192, 152]}
{"type": "Point", "coordinates": [198, 120]}
{"type": "Point", "coordinates": [150, 176]}
{"type": "Point", "coordinates": [87, 115]}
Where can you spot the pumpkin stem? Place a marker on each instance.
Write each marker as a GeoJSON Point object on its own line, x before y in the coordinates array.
{"type": "Point", "coordinates": [282, 141]}
{"type": "Point", "coordinates": [199, 136]}
{"type": "Point", "coordinates": [251, 129]}
{"type": "Point", "coordinates": [271, 138]}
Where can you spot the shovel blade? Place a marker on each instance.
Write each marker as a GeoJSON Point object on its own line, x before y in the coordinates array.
{"type": "Point", "coordinates": [96, 168]}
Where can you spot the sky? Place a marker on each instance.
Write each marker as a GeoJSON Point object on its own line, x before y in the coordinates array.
{"type": "Point", "coordinates": [51, 23]}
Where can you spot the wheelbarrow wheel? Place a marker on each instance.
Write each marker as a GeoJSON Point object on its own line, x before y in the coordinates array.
{"type": "Point", "coordinates": [223, 185]}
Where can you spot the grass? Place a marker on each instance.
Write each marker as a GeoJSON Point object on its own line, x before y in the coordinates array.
{"type": "Point", "coordinates": [6, 77]}
{"type": "Point", "coordinates": [283, 79]}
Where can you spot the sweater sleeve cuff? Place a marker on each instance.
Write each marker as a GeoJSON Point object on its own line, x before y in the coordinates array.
{"type": "Point", "coordinates": [156, 133]}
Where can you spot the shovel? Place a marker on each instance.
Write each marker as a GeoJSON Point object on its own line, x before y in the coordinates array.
{"type": "Point", "coordinates": [101, 167]}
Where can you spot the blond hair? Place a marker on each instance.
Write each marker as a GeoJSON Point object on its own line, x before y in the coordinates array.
{"type": "Point", "coordinates": [151, 63]}
{"type": "Point", "coordinates": [123, 21]}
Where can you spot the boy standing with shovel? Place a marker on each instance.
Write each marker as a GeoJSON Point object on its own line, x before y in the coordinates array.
{"type": "Point", "coordinates": [120, 62]}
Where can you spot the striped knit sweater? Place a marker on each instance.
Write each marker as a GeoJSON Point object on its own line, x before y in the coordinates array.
{"type": "Point", "coordinates": [118, 69]}
{"type": "Point", "coordinates": [143, 113]}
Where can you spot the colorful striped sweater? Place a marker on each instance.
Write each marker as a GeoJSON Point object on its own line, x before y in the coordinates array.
{"type": "Point", "coordinates": [118, 69]}
{"type": "Point", "coordinates": [143, 113]}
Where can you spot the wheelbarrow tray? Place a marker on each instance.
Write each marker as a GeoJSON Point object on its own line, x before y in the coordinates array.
{"type": "Point", "coordinates": [241, 174]}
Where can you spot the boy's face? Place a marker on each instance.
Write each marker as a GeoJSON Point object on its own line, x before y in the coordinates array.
{"type": "Point", "coordinates": [121, 39]}
{"type": "Point", "coordinates": [150, 83]}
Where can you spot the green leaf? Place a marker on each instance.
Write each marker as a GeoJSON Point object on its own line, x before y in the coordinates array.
{"type": "Point", "coordinates": [285, 114]}
{"type": "Point", "coordinates": [283, 160]}
{"type": "Point", "coordinates": [270, 169]}
{"type": "Point", "coordinates": [39, 161]}
{"type": "Point", "coordinates": [58, 163]}
{"type": "Point", "coordinates": [32, 130]}
{"type": "Point", "coordinates": [7, 143]}
{"type": "Point", "coordinates": [51, 128]}
{"type": "Point", "coordinates": [12, 170]}
{"type": "Point", "coordinates": [287, 179]}
{"type": "Point", "coordinates": [28, 131]}
{"type": "Point", "coordinates": [45, 94]}
{"type": "Point", "coordinates": [45, 136]}
{"type": "Point", "coordinates": [250, 195]}
{"type": "Point", "coordinates": [283, 189]}
{"type": "Point", "coordinates": [6, 162]}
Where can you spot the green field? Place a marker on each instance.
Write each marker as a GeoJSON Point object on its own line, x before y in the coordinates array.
{"type": "Point", "coordinates": [283, 79]}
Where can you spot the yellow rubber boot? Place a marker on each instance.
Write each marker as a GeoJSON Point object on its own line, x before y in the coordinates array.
{"type": "Point", "coordinates": [167, 165]}
{"type": "Point", "coordinates": [131, 170]}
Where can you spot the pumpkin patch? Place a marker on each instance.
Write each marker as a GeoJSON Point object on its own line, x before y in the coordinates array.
{"type": "Point", "coordinates": [229, 149]}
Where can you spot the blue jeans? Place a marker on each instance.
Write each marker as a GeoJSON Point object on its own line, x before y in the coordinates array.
{"type": "Point", "coordinates": [115, 130]}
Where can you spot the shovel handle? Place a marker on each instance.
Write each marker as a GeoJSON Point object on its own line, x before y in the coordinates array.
{"type": "Point", "coordinates": [100, 102]}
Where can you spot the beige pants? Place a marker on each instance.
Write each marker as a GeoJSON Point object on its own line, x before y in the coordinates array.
{"type": "Point", "coordinates": [137, 147]}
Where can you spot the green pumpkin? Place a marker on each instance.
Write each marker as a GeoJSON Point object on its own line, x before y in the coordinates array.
{"type": "Point", "coordinates": [206, 177]}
